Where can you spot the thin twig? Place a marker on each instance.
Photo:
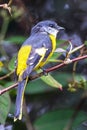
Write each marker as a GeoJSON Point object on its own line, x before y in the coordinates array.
{"type": "Point", "coordinates": [42, 73]}
{"type": "Point", "coordinates": [64, 64]}
{"type": "Point", "coordinates": [8, 88]}
{"type": "Point", "coordinates": [75, 63]}
{"type": "Point", "coordinates": [2, 5]}
{"type": "Point", "coordinates": [10, 2]}
{"type": "Point", "coordinates": [7, 75]}
{"type": "Point", "coordinates": [6, 6]}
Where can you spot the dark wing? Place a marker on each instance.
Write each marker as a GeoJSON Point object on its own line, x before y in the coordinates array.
{"type": "Point", "coordinates": [31, 62]}
{"type": "Point", "coordinates": [40, 41]}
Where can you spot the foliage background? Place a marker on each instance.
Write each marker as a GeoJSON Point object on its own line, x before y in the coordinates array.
{"type": "Point", "coordinates": [47, 108]}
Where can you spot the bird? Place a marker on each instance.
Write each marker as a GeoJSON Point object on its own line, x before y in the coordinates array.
{"type": "Point", "coordinates": [32, 55]}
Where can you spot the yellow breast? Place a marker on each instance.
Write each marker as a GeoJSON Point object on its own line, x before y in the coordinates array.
{"type": "Point", "coordinates": [53, 40]}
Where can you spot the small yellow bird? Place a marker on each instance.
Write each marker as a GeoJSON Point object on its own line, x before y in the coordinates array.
{"type": "Point", "coordinates": [34, 53]}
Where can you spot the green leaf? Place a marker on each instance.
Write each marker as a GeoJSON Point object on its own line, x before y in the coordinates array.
{"type": "Point", "coordinates": [62, 77]}
{"type": "Point", "coordinates": [54, 58]}
{"type": "Point", "coordinates": [82, 126]}
{"type": "Point", "coordinates": [11, 64]}
{"type": "Point", "coordinates": [49, 80]}
{"type": "Point", "coordinates": [57, 120]}
{"type": "Point", "coordinates": [38, 86]}
{"type": "Point", "coordinates": [62, 44]}
{"type": "Point", "coordinates": [60, 50]}
{"type": "Point", "coordinates": [85, 43]}
{"type": "Point", "coordinates": [16, 39]}
{"type": "Point", "coordinates": [4, 106]}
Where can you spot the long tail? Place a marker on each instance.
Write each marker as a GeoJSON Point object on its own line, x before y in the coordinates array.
{"type": "Point", "coordinates": [19, 99]}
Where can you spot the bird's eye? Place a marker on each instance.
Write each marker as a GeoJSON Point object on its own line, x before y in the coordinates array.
{"type": "Point", "coordinates": [51, 25]}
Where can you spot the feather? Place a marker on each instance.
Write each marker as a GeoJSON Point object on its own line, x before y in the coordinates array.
{"type": "Point", "coordinates": [19, 99]}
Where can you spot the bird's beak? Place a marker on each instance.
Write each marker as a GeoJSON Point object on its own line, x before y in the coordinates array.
{"type": "Point", "coordinates": [60, 28]}
{"type": "Point", "coordinates": [60, 32]}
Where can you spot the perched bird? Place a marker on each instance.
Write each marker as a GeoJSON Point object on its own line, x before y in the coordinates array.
{"type": "Point", "coordinates": [34, 54]}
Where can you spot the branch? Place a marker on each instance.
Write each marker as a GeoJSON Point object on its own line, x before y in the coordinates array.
{"type": "Point", "coordinates": [6, 6]}
{"type": "Point", "coordinates": [47, 71]}
{"type": "Point", "coordinates": [8, 88]}
{"type": "Point", "coordinates": [65, 63]}
{"type": "Point", "coordinates": [7, 75]}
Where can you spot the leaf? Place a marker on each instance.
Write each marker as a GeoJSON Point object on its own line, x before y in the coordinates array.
{"type": "Point", "coordinates": [62, 77]}
{"type": "Point", "coordinates": [11, 64]}
{"type": "Point", "coordinates": [60, 50]}
{"type": "Point", "coordinates": [49, 80]}
{"type": "Point", "coordinates": [62, 44]}
{"type": "Point", "coordinates": [55, 61]}
{"type": "Point", "coordinates": [4, 106]}
{"type": "Point", "coordinates": [16, 39]}
{"type": "Point", "coordinates": [38, 86]}
{"type": "Point", "coordinates": [82, 126]}
{"type": "Point", "coordinates": [57, 120]}
{"type": "Point", "coordinates": [85, 43]}
{"type": "Point", "coordinates": [54, 56]}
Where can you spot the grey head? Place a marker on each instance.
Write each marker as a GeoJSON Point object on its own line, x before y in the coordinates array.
{"type": "Point", "coordinates": [47, 26]}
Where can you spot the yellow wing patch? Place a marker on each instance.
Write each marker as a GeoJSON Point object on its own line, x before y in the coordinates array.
{"type": "Point", "coordinates": [23, 55]}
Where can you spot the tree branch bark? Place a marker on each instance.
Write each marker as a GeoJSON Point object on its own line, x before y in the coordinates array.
{"type": "Point", "coordinates": [47, 71]}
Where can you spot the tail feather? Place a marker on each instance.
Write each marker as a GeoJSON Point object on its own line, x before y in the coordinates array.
{"type": "Point", "coordinates": [19, 99]}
